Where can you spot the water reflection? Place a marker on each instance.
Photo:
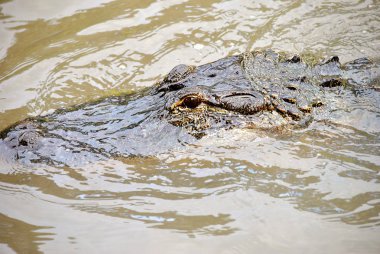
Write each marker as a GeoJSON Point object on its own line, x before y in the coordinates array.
{"type": "Point", "coordinates": [20, 236]}
{"type": "Point", "coordinates": [315, 177]}
{"type": "Point", "coordinates": [254, 191]}
{"type": "Point", "coordinates": [191, 225]}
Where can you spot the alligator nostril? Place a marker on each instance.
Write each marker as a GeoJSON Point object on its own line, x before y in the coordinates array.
{"type": "Point", "coordinates": [23, 142]}
{"type": "Point", "coordinates": [28, 139]}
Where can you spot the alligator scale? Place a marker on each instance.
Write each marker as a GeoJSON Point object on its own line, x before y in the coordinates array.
{"type": "Point", "coordinates": [262, 89]}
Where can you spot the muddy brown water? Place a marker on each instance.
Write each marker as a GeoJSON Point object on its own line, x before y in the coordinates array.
{"type": "Point", "coordinates": [311, 191]}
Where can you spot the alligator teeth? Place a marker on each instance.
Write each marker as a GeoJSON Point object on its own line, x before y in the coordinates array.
{"type": "Point", "coordinates": [274, 95]}
{"type": "Point", "coordinates": [305, 108]}
{"type": "Point", "coordinates": [316, 103]}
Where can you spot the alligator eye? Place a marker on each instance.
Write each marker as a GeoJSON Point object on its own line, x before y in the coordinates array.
{"type": "Point", "coordinates": [191, 102]}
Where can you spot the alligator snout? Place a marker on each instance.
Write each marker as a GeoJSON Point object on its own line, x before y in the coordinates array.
{"type": "Point", "coordinates": [25, 135]}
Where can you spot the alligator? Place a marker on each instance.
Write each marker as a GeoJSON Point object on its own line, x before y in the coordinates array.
{"type": "Point", "coordinates": [263, 89]}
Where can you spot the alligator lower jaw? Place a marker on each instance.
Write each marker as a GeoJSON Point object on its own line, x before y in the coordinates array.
{"type": "Point", "coordinates": [239, 102]}
{"type": "Point", "coordinates": [198, 120]}
{"type": "Point", "coordinates": [221, 108]}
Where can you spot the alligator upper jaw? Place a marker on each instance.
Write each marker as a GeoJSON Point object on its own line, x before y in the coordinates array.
{"type": "Point", "coordinates": [243, 102]}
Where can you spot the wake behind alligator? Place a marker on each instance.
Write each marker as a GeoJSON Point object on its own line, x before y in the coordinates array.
{"type": "Point", "coordinates": [262, 90]}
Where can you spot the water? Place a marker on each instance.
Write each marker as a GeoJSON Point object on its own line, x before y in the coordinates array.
{"type": "Point", "coordinates": [241, 191]}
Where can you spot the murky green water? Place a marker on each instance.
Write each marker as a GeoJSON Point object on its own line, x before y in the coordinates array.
{"type": "Point", "coordinates": [310, 191]}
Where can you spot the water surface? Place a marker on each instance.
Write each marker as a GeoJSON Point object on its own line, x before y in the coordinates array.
{"type": "Point", "coordinates": [315, 190]}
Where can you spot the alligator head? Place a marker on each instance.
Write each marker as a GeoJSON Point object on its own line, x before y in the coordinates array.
{"type": "Point", "coordinates": [262, 90]}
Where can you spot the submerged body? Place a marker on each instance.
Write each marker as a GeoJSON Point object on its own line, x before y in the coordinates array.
{"type": "Point", "coordinates": [263, 90]}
